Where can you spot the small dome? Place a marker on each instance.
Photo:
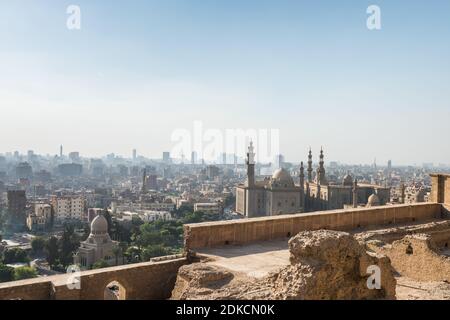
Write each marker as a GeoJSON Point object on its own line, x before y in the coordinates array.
{"type": "Point", "coordinates": [99, 225]}
{"type": "Point", "coordinates": [282, 178]}
{"type": "Point", "coordinates": [373, 201]}
{"type": "Point", "coordinates": [348, 180]}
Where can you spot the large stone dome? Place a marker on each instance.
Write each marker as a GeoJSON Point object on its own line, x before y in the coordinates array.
{"type": "Point", "coordinates": [282, 178]}
{"type": "Point", "coordinates": [99, 225]}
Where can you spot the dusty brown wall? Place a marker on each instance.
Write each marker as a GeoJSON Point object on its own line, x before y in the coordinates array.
{"type": "Point", "coordinates": [416, 257]}
{"type": "Point", "coordinates": [148, 280]}
{"type": "Point", "coordinates": [35, 289]}
{"type": "Point", "coordinates": [212, 234]}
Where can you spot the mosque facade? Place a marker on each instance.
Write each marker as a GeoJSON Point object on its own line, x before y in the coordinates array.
{"type": "Point", "coordinates": [98, 246]}
{"type": "Point", "coordinates": [280, 195]}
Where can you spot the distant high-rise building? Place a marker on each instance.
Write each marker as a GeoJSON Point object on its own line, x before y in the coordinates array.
{"type": "Point", "coordinates": [74, 156]}
{"type": "Point", "coordinates": [30, 155]}
{"type": "Point", "coordinates": [68, 207]}
{"type": "Point", "coordinates": [70, 169]}
{"type": "Point", "coordinates": [24, 171]}
{"type": "Point", "coordinates": [389, 165]}
{"type": "Point", "coordinates": [166, 157]}
{"type": "Point", "coordinates": [17, 202]}
{"type": "Point", "coordinates": [212, 172]}
{"type": "Point", "coordinates": [224, 158]}
{"type": "Point", "coordinates": [61, 151]}
{"type": "Point", "coordinates": [279, 161]}
{"type": "Point", "coordinates": [134, 154]}
{"type": "Point", "coordinates": [193, 157]}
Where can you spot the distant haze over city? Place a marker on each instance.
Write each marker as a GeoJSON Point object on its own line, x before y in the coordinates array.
{"type": "Point", "coordinates": [134, 73]}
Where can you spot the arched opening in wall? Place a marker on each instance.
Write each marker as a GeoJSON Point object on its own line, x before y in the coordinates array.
{"type": "Point", "coordinates": [115, 291]}
{"type": "Point", "coordinates": [409, 249]}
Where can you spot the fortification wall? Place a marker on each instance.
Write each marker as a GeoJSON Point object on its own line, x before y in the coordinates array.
{"type": "Point", "coordinates": [143, 281]}
{"type": "Point", "coordinates": [237, 232]}
{"type": "Point", "coordinates": [440, 188]}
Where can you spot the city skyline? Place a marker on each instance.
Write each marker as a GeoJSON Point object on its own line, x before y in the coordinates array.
{"type": "Point", "coordinates": [240, 158]}
{"type": "Point", "coordinates": [135, 73]}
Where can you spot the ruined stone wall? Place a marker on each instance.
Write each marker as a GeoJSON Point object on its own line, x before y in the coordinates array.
{"type": "Point", "coordinates": [148, 280]}
{"type": "Point", "coordinates": [418, 257]}
{"type": "Point", "coordinates": [243, 231]}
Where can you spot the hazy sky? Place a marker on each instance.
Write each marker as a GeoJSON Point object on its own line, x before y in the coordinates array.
{"type": "Point", "coordinates": [138, 70]}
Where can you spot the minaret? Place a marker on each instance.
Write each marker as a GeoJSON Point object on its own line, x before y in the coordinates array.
{"type": "Point", "coordinates": [355, 194]}
{"type": "Point", "coordinates": [250, 166]}
{"type": "Point", "coordinates": [321, 170]}
{"type": "Point", "coordinates": [302, 185]}
{"type": "Point", "coordinates": [310, 169]}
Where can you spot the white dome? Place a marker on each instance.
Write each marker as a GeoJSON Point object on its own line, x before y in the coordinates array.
{"type": "Point", "coordinates": [99, 225]}
{"type": "Point", "coordinates": [283, 178]}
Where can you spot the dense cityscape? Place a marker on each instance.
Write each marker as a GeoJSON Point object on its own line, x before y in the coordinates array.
{"type": "Point", "coordinates": [64, 210]}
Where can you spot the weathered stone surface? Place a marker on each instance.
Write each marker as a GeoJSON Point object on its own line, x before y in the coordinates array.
{"type": "Point", "coordinates": [331, 265]}
{"type": "Point", "coordinates": [324, 265]}
{"type": "Point", "coordinates": [417, 257]}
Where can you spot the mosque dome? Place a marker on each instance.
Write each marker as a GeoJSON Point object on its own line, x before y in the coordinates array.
{"type": "Point", "coordinates": [282, 178]}
{"type": "Point", "coordinates": [348, 180]}
{"type": "Point", "coordinates": [99, 225]}
{"type": "Point", "coordinates": [373, 201]}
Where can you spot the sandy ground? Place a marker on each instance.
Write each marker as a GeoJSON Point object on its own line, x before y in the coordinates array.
{"type": "Point", "coordinates": [408, 289]}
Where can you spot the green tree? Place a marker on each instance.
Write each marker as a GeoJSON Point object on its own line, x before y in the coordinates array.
{"type": "Point", "coordinates": [51, 250]}
{"type": "Point", "coordinates": [68, 244]}
{"type": "Point", "coordinates": [25, 273]}
{"type": "Point", "coordinates": [133, 254]}
{"type": "Point", "coordinates": [15, 255]}
{"type": "Point", "coordinates": [37, 245]}
{"type": "Point", "coordinates": [100, 264]}
{"type": "Point", "coordinates": [6, 273]}
{"type": "Point", "coordinates": [155, 251]}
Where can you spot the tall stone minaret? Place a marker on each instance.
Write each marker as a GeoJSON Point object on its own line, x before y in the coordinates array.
{"type": "Point", "coordinates": [250, 166]}
{"type": "Point", "coordinates": [355, 193]}
{"type": "Point", "coordinates": [302, 185]}
{"type": "Point", "coordinates": [321, 170]}
{"type": "Point", "coordinates": [310, 169]}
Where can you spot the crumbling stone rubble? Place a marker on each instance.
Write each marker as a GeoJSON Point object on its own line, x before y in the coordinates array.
{"type": "Point", "coordinates": [323, 265]}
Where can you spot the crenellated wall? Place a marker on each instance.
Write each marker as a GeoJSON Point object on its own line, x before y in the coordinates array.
{"type": "Point", "coordinates": [238, 232]}
{"type": "Point", "coordinates": [440, 188]}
